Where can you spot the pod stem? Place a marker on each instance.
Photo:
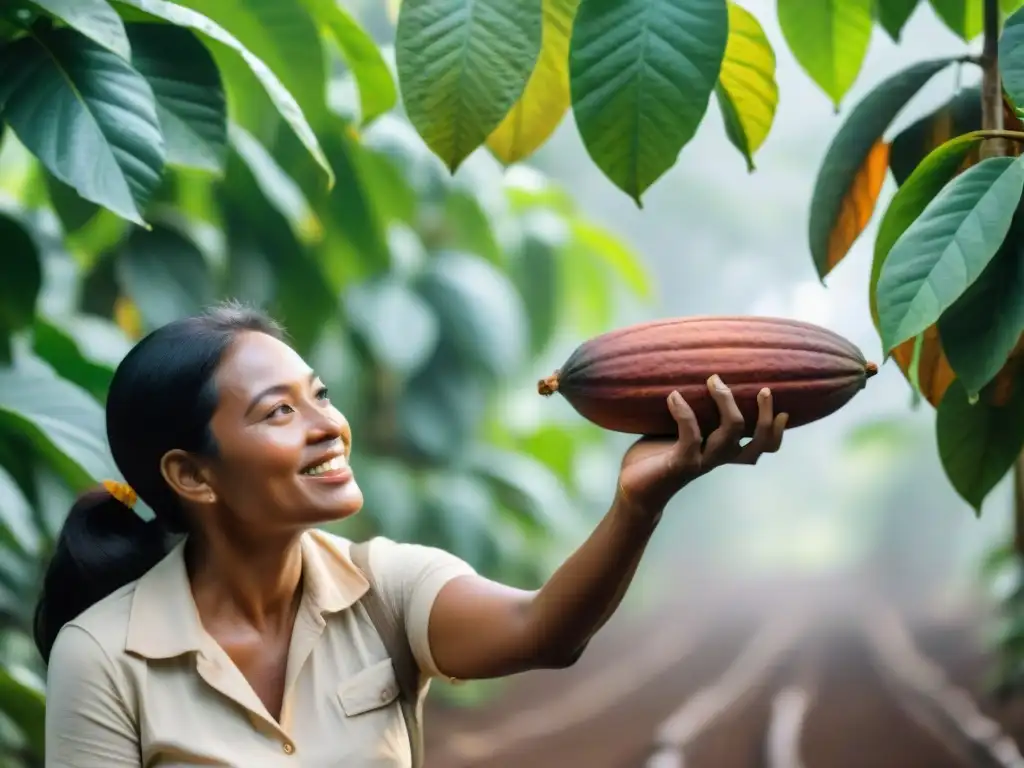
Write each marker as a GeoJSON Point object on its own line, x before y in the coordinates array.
{"type": "Point", "coordinates": [870, 369]}
{"type": "Point", "coordinates": [549, 385]}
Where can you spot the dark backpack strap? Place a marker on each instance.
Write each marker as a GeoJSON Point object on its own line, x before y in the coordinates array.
{"type": "Point", "coordinates": [391, 628]}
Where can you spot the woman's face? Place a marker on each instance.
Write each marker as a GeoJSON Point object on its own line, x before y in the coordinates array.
{"type": "Point", "coordinates": [283, 449]}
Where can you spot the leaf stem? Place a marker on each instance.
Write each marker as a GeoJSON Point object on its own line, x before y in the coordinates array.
{"type": "Point", "coordinates": [991, 85]}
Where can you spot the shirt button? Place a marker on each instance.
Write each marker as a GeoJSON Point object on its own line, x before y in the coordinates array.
{"type": "Point", "coordinates": [288, 748]}
{"type": "Point", "coordinates": [384, 695]}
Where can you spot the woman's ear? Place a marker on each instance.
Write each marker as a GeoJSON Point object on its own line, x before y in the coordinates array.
{"type": "Point", "coordinates": [187, 477]}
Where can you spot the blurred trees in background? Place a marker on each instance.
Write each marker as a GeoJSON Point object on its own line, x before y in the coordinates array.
{"type": "Point", "coordinates": [155, 159]}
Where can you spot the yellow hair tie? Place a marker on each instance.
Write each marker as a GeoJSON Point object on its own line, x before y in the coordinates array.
{"type": "Point", "coordinates": [122, 492]}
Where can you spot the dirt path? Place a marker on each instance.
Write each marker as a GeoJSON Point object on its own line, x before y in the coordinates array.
{"type": "Point", "coordinates": [723, 689]}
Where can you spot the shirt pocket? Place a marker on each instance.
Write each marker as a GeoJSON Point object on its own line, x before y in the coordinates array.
{"type": "Point", "coordinates": [373, 688]}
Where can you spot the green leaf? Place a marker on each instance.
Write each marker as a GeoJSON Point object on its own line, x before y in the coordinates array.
{"type": "Point", "coordinates": [22, 281]}
{"type": "Point", "coordinates": [165, 275]}
{"type": "Point", "coordinates": [480, 312]}
{"type": "Point", "coordinates": [1011, 57]}
{"type": "Point", "coordinates": [642, 73]}
{"type": "Point", "coordinates": [391, 495]}
{"type": "Point", "coordinates": [441, 407]}
{"type": "Point", "coordinates": [279, 189]}
{"type": "Point", "coordinates": [606, 247]}
{"type": "Point", "coordinates": [457, 514]}
{"type": "Point", "coordinates": [190, 102]}
{"type": "Point", "coordinates": [546, 98]}
{"type": "Point", "coordinates": [464, 226]}
{"type": "Point", "coordinates": [829, 39]}
{"type": "Point", "coordinates": [964, 18]}
{"type": "Point", "coordinates": [284, 37]}
{"type": "Point", "coordinates": [95, 19]}
{"type": "Point", "coordinates": [71, 208]}
{"type": "Point", "coordinates": [84, 350]}
{"type": "Point", "coordinates": [979, 443]}
{"type": "Point", "coordinates": [747, 92]}
{"type": "Point", "coordinates": [61, 420]}
{"type": "Point", "coordinates": [377, 91]}
{"type": "Point", "coordinates": [528, 486]}
{"type": "Point", "coordinates": [912, 198]}
{"type": "Point", "coordinates": [17, 523]}
{"type": "Point", "coordinates": [588, 299]}
{"type": "Point", "coordinates": [981, 328]}
{"type": "Point", "coordinates": [855, 164]}
{"type": "Point", "coordinates": [107, 143]}
{"type": "Point", "coordinates": [894, 14]}
{"type": "Point", "coordinates": [462, 64]}
{"type": "Point", "coordinates": [281, 98]}
{"type": "Point", "coordinates": [947, 247]}
{"type": "Point", "coordinates": [960, 115]}
{"type": "Point", "coordinates": [399, 327]}
{"type": "Point", "coordinates": [534, 270]}
{"type": "Point", "coordinates": [24, 702]}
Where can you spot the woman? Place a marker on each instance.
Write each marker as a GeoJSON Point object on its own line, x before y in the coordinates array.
{"type": "Point", "coordinates": [252, 640]}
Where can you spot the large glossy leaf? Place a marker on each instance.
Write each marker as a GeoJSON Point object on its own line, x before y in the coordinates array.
{"type": "Point", "coordinates": [457, 512]}
{"type": "Point", "coordinates": [96, 19]}
{"type": "Point", "coordinates": [829, 39]}
{"type": "Point", "coordinates": [964, 18]}
{"type": "Point", "coordinates": [87, 115]}
{"type": "Point", "coordinates": [1011, 57]}
{"type": "Point", "coordinates": [391, 495]}
{"type": "Point", "coordinates": [399, 327]}
{"type": "Point", "coordinates": [165, 275]}
{"type": "Point", "coordinates": [641, 73]}
{"type": "Point", "coordinates": [979, 442]}
{"type": "Point", "coordinates": [83, 349]}
{"type": "Point", "coordinates": [462, 64]}
{"type": "Point", "coordinates": [855, 164]}
{"type": "Point", "coordinates": [947, 247]}
{"type": "Point", "coordinates": [480, 312]}
{"type": "Point", "coordinates": [546, 98]}
{"type": "Point", "coordinates": [377, 91]}
{"type": "Point", "coordinates": [21, 283]}
{"type": "Point", "coordinates": [284, 37]}
{"type": "Point", "coordinates": [63, 422]}
{"type": "Point", "coordinates": [279, 189]}
{"type": "Point", "coordinates": [960, 115]}
{"type": "Point", "coordinates": [982, 327]}
{"type": "Point", "coordinates": [910, 200]}
{"type": "Point", "coordinates": [894, 14]}
{"type": "Point", "coordinates": [747, 92]}
{"type": "Point", "coordinates": [190, 101]}
{"type": "Point", "coordinates": [216, 36]}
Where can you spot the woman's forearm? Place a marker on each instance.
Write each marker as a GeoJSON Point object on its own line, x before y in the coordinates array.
{"type": "Point", "coordinates": [588, 587]}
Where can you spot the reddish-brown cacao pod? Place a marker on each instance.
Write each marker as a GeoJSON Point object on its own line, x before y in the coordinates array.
{"type": "Point", "coordinates": [621, 380]}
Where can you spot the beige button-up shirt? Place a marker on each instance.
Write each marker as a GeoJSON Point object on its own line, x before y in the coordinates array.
{"type": "Point", "coordinates": [136, 680]}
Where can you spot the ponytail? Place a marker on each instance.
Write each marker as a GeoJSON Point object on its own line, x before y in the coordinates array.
{"type": "Point", "coordinates": [102, 546]}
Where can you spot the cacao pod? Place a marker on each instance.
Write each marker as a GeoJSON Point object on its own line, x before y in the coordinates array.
{"type": "Point", "coordinates": [621, 380]}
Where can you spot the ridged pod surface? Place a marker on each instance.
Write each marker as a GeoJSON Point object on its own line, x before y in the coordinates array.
{"type": "Point", "coordinates": [621, 380]}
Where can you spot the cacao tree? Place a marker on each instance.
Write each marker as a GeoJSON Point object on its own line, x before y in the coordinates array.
{"type": "Point", "coordinates": [157, 156]}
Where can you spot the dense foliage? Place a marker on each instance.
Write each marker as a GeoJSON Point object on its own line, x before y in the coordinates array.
{"type": "Point", "coordinates": [156, 157]}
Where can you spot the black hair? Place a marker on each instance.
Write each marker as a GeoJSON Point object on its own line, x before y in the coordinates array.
{"type": "Point", "coordinates": [162, 397]}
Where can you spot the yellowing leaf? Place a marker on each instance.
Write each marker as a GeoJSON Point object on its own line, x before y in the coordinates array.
{"type": "Point", "coordinates": [540, 109]}
{"type": "Point", "coordinates": [858, 203]}
{"type": "Point", "coordinates": [128, 318]}
{"type": "Point", "coordinates": [747, 92]}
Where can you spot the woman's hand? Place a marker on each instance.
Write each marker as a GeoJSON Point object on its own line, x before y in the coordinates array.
{"type": "Point", "coordinates": [655, 469]}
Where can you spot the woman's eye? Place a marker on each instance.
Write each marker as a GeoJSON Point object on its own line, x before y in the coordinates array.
{"type": "Point", "coordinates": [322, 393]}
{"type": "Point", "coordinates": [279, 410]}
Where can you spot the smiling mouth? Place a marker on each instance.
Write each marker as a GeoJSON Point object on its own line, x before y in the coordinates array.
{"type": "Point", "coordinates": [336, 469]}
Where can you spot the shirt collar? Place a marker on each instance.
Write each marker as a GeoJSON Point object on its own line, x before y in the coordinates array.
{"type": "Point", "coordinates": [164, 621]}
